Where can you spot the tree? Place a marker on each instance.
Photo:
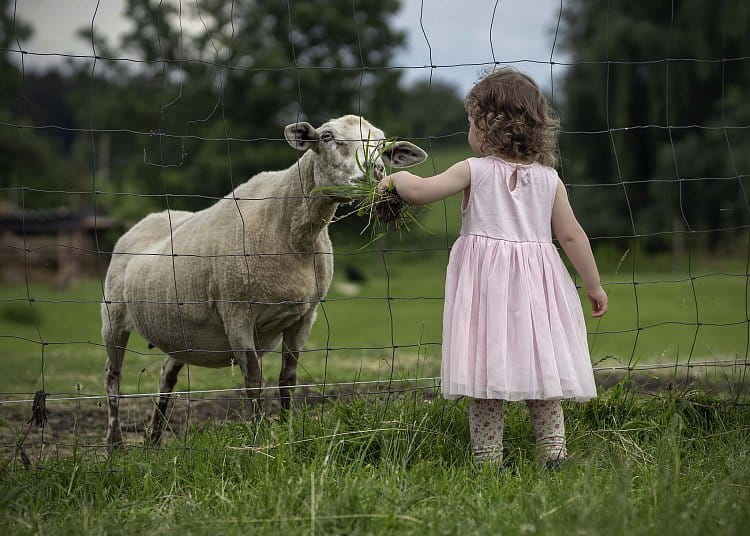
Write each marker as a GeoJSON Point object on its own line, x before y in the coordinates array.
{"type": "Point", "coordinates": [621, 79]}
{"type": "Point", "coordinates": [30, 158]}
{"type": "Point", "coordinates": [249, 69]}
{"type": "Point", "coordinates": [415, 116]}
{"type": "Point", "coordinates": [203, 105]}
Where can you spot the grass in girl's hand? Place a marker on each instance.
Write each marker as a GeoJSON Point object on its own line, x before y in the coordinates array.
{"type": "Point", "coordinates": [390, 205]}
{"type": "Point", "coordinates": [382, 208]}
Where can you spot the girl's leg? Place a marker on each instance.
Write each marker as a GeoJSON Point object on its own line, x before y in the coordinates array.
{"type": "Point", "coordinates": [486, 422]}
{"type": "Point", "coordinates": [549, 428]}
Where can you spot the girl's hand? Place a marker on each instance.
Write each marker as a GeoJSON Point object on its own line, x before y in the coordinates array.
{"type": "Point", "coordinates": [598, 300]}
{"type": "Point", "coordinates": [385, 183]}
{"type": "Point", "coordinates": [390, 180]}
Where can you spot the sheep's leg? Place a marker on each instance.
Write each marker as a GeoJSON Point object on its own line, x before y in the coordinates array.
{"type": "Point", "coordinates": [251, 371]}
{"type": "Point", "coordinates": [288, 375]}
{"type": "Point", "coordinates": [247, 356]}
{"type": "Point", "coordinates": [294, 340]}
{"type": "Point", "coordinates": [115, 341]}
{"type": "Point", "coordinates": [169, 372]}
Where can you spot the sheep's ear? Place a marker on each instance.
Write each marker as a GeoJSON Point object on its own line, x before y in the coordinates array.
{"type": "Point", "coordinates": [301, 136]}
{"type": "Point", "coordinates": [403, 154]}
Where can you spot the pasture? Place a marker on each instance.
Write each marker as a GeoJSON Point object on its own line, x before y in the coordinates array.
{"type": "Point", "coordinates": [673, 462]}
{"type": "Point", "coordinates": [118, 109]}
{"type": "Point", "coordinates": [662, 311]}
{"type": "Point", "coordinates": [662, 465]}
{"type": "Point", "coordinates": [68, 321]}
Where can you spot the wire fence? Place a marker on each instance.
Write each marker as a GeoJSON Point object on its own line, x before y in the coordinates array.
{"type": "Point", "coordinates": [674, 368]}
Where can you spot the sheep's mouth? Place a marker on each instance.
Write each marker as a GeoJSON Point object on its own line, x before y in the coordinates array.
{"type": "Point", "coordinates": [357, 179]}
{"type": "Point", "coordinates": [337, 196]}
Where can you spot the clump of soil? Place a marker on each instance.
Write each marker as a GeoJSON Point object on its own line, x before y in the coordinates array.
{"type": "Point", "coordinates": [389, 207]}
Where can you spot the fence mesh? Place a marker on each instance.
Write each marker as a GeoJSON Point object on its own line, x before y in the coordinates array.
{"type": "Point", "coordinates": [397, 361]}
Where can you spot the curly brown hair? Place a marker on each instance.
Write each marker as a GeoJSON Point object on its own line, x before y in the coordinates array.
{"type": "Point", "coordinates": [513, 117]}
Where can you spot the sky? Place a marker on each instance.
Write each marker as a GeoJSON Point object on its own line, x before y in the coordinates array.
{"type": "Point", "coordinates": [458, 32]}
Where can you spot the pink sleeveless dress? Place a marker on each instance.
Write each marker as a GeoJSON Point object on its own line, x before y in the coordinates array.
{"type": "Point", "coordinates": [513, 325]}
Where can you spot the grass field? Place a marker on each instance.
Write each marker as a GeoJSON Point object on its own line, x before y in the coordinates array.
{"type": "Point", "coordinates": [662, 465]}
{"type": "Point", "coordinates": [671, 315]}
{"type": "Point", "coordinates": [671, 463]}
{"type": "Point", "coordinates": [69, 321]}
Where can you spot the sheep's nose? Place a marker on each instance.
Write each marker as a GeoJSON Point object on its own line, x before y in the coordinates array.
{"type": "Point", "coordinates": [379, 171]}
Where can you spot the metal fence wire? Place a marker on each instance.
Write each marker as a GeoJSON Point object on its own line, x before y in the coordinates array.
{"type": "Point", "coordinates": [29, 411]}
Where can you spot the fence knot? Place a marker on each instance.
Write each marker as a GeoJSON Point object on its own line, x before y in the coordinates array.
{"type": "Point", "coordinates": [39, 409]}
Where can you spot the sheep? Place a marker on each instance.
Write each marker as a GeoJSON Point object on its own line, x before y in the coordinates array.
{"type": "Point", "coordinates": [228, 283]}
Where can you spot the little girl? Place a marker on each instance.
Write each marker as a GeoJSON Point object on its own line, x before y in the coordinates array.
{"type": "Point", "coordinates": [513, 326]}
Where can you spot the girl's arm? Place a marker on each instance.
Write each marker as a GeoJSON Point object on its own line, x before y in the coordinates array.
{"type": "Point", "coordinates": [576, 244]}
{"type": "Point", "coordinates": [420, 191]}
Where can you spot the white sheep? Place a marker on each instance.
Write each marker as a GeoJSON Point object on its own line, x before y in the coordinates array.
{"type": "Point", "coordinates": [228, 283]}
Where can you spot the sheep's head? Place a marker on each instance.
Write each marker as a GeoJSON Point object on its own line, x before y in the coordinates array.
{"type": "Point", "coordinates": [339, 143]}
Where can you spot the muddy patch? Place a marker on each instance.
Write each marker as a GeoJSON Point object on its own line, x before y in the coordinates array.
{"type": "Point", "coordinates": [81, 425]}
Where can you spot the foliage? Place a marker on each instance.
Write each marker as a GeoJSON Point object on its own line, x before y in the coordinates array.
{"type": "Point", "coordinates": [30, 158]}
{"type": "Point", "coordinates": [242, 83]}
{"type": "Point", "coordinates": [429, 109]}
{"type": "Point", "coordinates": [650, 118]}
{"type": "Point", "coordinates": [203, 107]}
{"type": "Point", "coordinates": [12, 30]}
{"type": "Point", "coordinates": [195, 128]}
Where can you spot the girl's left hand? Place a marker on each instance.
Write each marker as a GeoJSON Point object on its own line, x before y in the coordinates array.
{"type": "Point", "coordinates": [598, 300]}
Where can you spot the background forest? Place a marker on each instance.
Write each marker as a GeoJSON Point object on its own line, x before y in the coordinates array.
{"type": "Point", "coordinates": [649, 146]}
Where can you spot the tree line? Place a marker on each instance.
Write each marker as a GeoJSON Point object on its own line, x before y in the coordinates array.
{"type": "Point", "coordinates": [649, 146]}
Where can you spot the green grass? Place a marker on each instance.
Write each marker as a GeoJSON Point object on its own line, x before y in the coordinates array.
{"type": "Point", "coordinates": [662, 327]}
{"type": "Point", "coordinates": [668, 464]}
{"type": "Point", "coordinates": [352, 322]}
{"type": "Point", "coordinates": [659, 466]}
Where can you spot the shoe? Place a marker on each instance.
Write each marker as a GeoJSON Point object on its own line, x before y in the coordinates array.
{"type": "Point", "coordinates": [500, 469]}
{"type": "Point", "coordinates": [495, 465]}
{"type": "Point", "coordinates": [554, 465]}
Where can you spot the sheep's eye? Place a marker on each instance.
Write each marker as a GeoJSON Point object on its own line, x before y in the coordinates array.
{"type": "Point", "coordinates": [326, 136]}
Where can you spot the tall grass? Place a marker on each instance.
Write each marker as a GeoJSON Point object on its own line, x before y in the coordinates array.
{"type": "Point", "coordinates": [668, 464]}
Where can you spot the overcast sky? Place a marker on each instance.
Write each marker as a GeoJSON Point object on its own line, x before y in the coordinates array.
{"type": "Point", "coordinates": [457, 31]}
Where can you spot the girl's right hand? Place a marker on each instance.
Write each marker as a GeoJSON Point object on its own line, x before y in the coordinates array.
{"type": "Point", "coordinates": [385, 183]}
{"type": "Point", "coordinates": [598, 300]}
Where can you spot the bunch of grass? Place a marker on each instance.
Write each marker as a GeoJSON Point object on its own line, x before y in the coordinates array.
{"type": "Point", "coordinates": [383, 209]}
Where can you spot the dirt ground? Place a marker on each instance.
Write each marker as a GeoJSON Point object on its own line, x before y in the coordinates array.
{"type": "Point", "coordinates": [81, 424]}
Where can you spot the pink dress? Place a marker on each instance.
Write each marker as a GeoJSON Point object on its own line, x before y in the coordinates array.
{"type": "Point", "coordinates": [513, 325]}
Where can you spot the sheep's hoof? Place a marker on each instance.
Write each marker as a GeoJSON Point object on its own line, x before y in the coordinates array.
{"type": "Point", "coordinates": [152, 438]}
{"type": "Point", "coordinates": [114, 442]}
{"type": "Point", "coordinates": [285, 411]}
{"type": "Point", "coordinates": [256, 409]}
